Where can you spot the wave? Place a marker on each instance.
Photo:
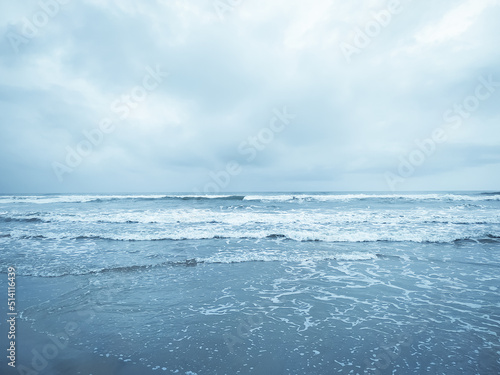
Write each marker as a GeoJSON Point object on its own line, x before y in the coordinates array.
{"type": "Point", "coordinates": [173, 197]}
{"type": "Point", "coordinates": [492, 193]}
{"type": "Point", "coordinates": [209, 197]}
{"type": "Point", "coordinates": [109, 198]}
{"type": "Point", "coordinates": [358, 237]}
{"type": "Point", "coordinates": [8, 219]}
{"type": "Point", "coordinates": [243, 258]}
{"type": "Point", "coordinates": [379, 197]}
{"type": "Point", "coordinates": [206, 218]}
{"type": "Point", "coordinates": [472, 222]}
{"type": "Point", "coordinates": [216, 259]}
{"type": "Point", "coordinates": [302, 197]}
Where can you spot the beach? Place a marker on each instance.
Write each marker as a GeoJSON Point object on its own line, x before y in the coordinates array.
{"type": "Point", "coordinates": [275, 283]}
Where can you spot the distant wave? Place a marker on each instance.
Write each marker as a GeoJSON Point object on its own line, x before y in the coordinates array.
{"type": "Point", "coordinates": [109, 198]}
{"type": "Point", "coordinates": [42, 199]}
{"type": "Point", "coordinates": [361, 197]}
{"type": "Point", "coordinates": [209, 197]}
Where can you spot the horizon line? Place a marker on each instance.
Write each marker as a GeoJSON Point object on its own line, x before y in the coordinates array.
{"type": "Point", "coordinates": [258, 192]}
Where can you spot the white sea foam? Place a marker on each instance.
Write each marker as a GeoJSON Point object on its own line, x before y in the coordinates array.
{"type": "Point", "coordinates": [334, 235]}
{"type": "Point", "coordinates": [303, 218]}
{"type": "Point", "coordinates": [351, 197]}
{"type": "Point", "coordinates": [269, 257]}
{"type": "Point", "coordinates": [47, 199]}
{"type": "Point", "coordinates": [177, 220]}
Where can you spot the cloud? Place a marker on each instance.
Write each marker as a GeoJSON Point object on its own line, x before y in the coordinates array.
{"type": "Point", "coordinates": [456, 22]}
{"type": "Point", "coordinates": [354, 120]}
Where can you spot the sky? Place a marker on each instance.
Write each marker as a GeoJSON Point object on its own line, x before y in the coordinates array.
{"type": "Point", "coordinates": [102, 96]}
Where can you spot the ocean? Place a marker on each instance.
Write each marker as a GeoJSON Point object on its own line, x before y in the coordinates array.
{"type": "Point", "coordinates": [275, 283]}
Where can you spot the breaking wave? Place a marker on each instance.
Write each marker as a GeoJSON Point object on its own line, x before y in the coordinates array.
{"type": "Point", "coordinates": [48, 199]}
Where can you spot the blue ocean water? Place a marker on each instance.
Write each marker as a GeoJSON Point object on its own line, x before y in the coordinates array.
{"type": "Point", "coordinates": [303, 283]}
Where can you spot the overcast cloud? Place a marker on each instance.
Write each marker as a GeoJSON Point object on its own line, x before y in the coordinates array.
{"type": "Point", "coordinates": [348, 111]}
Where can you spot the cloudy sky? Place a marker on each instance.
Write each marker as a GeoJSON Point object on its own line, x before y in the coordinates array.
{"type": "Point", "coordinates": [249, 95]}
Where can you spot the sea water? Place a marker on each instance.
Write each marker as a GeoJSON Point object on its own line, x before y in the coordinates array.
{"type": "Point", "coordinates": [281, 283]}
